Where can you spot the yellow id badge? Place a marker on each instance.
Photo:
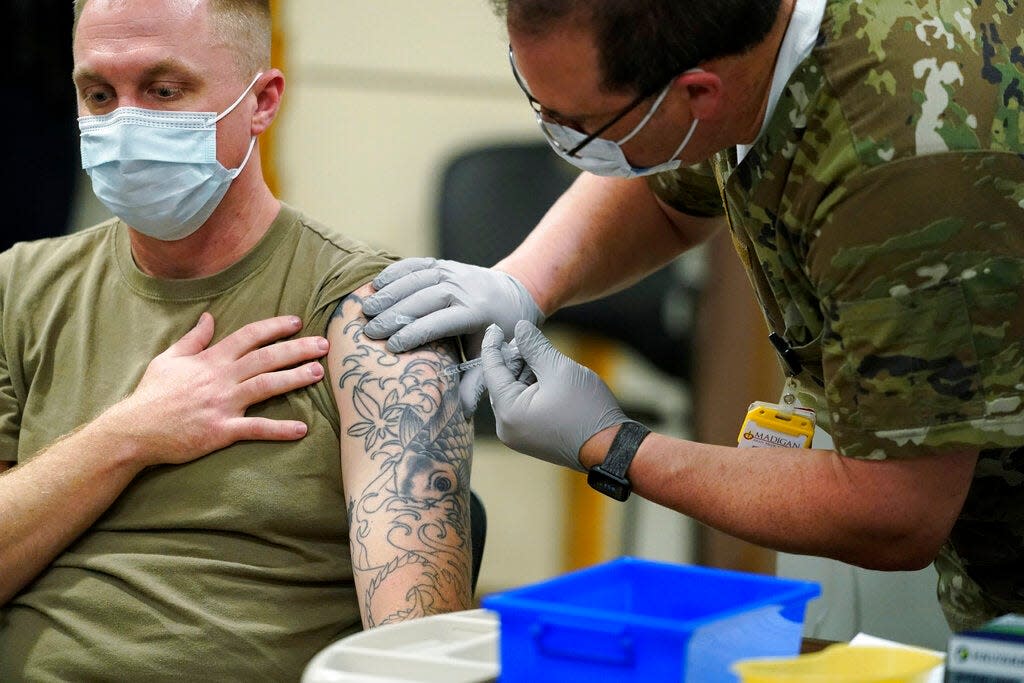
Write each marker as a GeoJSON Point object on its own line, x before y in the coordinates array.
{"type": "Point", "coordinates": [769, 425]}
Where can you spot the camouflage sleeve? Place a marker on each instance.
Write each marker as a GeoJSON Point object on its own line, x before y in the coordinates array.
{"type": "Point", "coordinates": [691, 190]}
{"type": "Point", "coordinates": [920, 266]}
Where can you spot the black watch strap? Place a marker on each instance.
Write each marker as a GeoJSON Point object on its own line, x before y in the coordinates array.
{"type": "Point", "coordinates": [610, 476]}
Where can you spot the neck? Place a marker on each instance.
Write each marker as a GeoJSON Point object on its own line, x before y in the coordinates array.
{"type": "Point", "coordinates": [748, 80]}
{"type": "Point", "coordinates": [239, 222]}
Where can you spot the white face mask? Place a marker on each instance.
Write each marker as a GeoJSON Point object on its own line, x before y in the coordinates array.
{"type": "Point", "coordinates": [605, 157]}
{"type": "Point", "coordinates": [158, 170]}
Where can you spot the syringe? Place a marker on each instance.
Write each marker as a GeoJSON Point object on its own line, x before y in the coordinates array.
{"type": "Point", "coordinates": [460, 368]}
{"type": "Point", "coordinates": [509, 352]}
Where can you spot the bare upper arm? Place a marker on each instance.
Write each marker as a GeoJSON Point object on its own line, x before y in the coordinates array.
{"type": "Point", "coordinates": [405, 460]}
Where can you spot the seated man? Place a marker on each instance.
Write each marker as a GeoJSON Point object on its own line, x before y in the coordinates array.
{"type": "Point", "coordinates": [173, 503]}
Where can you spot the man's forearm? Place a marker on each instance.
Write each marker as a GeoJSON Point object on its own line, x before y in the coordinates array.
{"type": "Point", "coordinates": [47, 502]}
{"type": "Point", "coordinates": [601, 236]}
{"type": "Point", "coordinates": [888, 514]}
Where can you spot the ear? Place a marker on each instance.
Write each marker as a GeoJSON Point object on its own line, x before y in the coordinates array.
{"type": "Point", "coordinates": [268, 91]}
{"type": "Point", "coordinates": [705, 92]}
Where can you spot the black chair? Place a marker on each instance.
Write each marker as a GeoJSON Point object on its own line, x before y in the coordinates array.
{"type": "Point", "coordinates": [478, 534]}
{"type": "Point", "coordinates": [491, 197]}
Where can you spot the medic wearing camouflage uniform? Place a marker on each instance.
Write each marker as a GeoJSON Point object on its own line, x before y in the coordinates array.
{"type": "Point", "coordinates": [878, 205]}
{"type": "Point", "coordinates": [880, 218]}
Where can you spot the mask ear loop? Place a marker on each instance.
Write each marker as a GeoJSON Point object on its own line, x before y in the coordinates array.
{"type": "Point", "coordinates": [252, 144]}
{"type": "Point", "coordinates": [239, 100]}
{"type": "Point", "coordinates": [252, 140]}
{"type": "Point", "coordinates": [654, 108]}
{"type": "Point", "coordinates": [647, 117]}
{"type": "Point", "coordinates": [686, 140]}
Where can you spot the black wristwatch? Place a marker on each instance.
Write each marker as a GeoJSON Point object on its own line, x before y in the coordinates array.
{"type": "Point", "coordinates": [610, 476]}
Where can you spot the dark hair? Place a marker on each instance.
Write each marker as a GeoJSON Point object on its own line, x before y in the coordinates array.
{"type": "Point", "coordinates": [643, 44]}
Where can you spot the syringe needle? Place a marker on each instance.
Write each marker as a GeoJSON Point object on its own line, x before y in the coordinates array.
{"type": "Point", "coordinates": [509, 352]}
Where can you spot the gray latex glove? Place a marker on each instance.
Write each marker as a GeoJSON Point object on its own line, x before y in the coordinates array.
{"type": "Point", "coordinates": [471, 386]}
{"type": "Point", "coordinates": [550, 418]}
{"type": "Point", "coordinates": [419, 300]}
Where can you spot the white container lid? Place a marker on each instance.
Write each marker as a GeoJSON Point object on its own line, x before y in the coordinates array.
{"type": "Point", "coordinates": [459, 647]}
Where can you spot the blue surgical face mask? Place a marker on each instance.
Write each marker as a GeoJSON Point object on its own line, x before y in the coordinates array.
{"type": "Point", "coordinates": [605, 157]}
{"type": "Point", "coordinates": [158, 170]}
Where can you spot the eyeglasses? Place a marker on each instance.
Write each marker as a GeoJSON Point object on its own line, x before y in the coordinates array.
{"type": "Point", "coordinates": [543, 114]}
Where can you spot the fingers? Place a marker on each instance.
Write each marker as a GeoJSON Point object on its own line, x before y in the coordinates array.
{"type": "Point", "coordinates": [410, 308]}
{"type": "Point", "coordinates": [266, 429]}
{"type": "Point", "coordinates": [266, 385]}
{"type": "Point", "coordinates": [253, 336]}
{"type": "Point", "coordinates": [195, 340]}
{"type": "Point", "coordinates": [252, 352]}
{"type": "Point", "coordinates": [501, 383]}
{"type": "Point", "coordinates": [392, 290]}
{"type": "Point", "coordinates": [400, 269]}
{"type": "Point", "coordinates": [447, 322]}
{"type": "Point", "coordinates": [490, 346]}
{"type": "Point", "coordinates": [413, 305]}
{"type": "Point", "coordinates": [278, 356]}
{"type": "Point", "coordinates": [471, 388]}
{"type": "Point", "coordinates": [535, 348]}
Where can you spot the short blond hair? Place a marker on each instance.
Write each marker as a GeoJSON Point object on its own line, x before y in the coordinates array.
{"type": "Point", "coordinates": [243, 23]}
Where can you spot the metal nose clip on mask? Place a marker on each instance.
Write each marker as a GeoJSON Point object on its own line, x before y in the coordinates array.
{"type": "Point", "coordinates": [605, 157]}
{"type": "Point", "coordinates": [158, 170]}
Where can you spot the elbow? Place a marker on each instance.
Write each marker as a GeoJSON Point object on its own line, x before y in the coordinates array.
{"type": "Point", "coordinates": [902, 550]}
{"type": "Point", "coordinates": [901, 525]}
{"type": "Point", "coordinates": [901, 559]}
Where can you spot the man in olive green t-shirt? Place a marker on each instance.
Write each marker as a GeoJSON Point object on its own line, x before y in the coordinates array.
{"type": "Point", "coordinates": [173, 501]}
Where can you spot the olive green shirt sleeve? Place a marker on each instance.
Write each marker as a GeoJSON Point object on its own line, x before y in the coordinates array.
{"type": "Point", "coordinates": [691, 190]}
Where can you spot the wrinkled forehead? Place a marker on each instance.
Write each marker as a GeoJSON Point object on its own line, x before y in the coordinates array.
{"type": "Point", "coordinates": [123, 26]}
{"type": "Point", "coordinates": [239, 27]}
{"type": "Point", "coordinates": [95, 14]}
{"type": "Point", "coordinates": [125, 43]}
{"type": "Point", "coordinates": [180, 7]}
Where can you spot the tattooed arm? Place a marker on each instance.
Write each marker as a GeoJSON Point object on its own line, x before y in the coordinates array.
{"type": "Point", "coordinates": [405, 462]}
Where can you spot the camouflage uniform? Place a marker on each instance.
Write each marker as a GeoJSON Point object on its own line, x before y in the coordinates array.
{"type": "Point", "coordinates": [880, 219]}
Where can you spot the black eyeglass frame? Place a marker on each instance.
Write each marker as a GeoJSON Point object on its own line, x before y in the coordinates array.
{"type": "Point", "coordinates": [538, 108]}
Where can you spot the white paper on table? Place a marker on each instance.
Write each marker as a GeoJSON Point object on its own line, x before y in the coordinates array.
{"type": "Point", "coordinates": [937, 674]}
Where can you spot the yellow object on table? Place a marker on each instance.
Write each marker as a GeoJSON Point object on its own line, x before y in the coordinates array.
{"type": "Point", "coordinates": [842, 663]}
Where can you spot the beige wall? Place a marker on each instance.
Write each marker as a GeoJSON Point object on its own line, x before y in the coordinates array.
{"type": "Point", "coordinates": [379, 95]}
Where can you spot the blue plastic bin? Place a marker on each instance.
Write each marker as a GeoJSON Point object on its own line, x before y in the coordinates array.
{"type": "Point", "coordinates": [637, 620]}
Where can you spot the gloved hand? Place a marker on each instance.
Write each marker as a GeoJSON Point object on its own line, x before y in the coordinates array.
{"type": "Point", "coordinates": [424, 299]}
{"type": "Point", "coordinates": [471, 386]}
{"type": "Point", "coordinates": [419, 300]}
{"type": "Point", "coordinates": [553, 417]}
